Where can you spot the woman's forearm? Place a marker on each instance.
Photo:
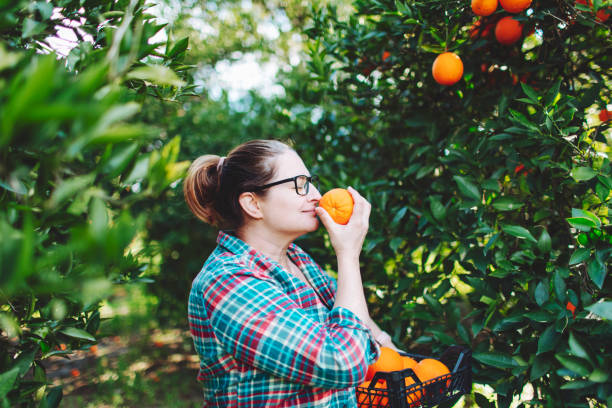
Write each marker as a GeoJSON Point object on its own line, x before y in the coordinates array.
{"type": "Point", "coordinates": [349, 293]}
{"type": "Point", "coordinates": [378, 333]}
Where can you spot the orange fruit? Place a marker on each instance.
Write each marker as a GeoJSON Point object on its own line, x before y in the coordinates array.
{"type": "Point", "coordinates": [408, 362]}
{"type": "Point", "coordinates": [339, 204]}
{"type": "Point", "coordinates": [484, 7]}
{"type": "Point", "coordinates": [447, 68]}
{"type": "Point", "coordinates": [362, 397]}
{"type": "Point", "coordinates": [385, 55]}
{"type": "Point", "coordinates": [381, 400]}
{"type": "Point", "coordinates": [602, 14]}
{"type": "Point", "coordinates": [429, 368]}
{"type": "Point", "coordinates": [508, 30]}
{"type": "Point", "coordinates": [515, 6]}
{"type": "Point", "coordinates": [366, 400]}
{"type": "Point", "coordinates": [389, 360]}
{"type": "Point", "coordinates": [605, 115]}
{"type": "Point", "coordinates": [413, 396]}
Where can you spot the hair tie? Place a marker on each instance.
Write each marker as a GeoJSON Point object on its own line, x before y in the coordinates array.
{"type": "Point", "coordinates": [220, 164]}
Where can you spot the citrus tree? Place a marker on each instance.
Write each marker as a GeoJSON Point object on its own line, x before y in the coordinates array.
{"type": "Point", "coordinates": [490, 221]}
{"type": "Point", "coordinates": [75, 158]}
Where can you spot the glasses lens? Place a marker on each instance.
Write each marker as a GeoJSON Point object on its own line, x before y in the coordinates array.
{"type": "Point", "coordinates": [301, 185]}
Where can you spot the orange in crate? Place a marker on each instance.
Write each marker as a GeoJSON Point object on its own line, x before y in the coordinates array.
{"type": "Point", "coordinates": [408, 362]}
{"type": "Point", "coordinates": [389, 360]}
{"type": "Point", "coordinates": [413, 397]}
{"type": "Point", "coordinates": [366, 400]}
{"type": "Point", "coordinates": [429, 368]}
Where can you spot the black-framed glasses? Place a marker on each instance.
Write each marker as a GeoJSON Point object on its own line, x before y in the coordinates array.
{"type": "Point", "coordinates": [302, 183]}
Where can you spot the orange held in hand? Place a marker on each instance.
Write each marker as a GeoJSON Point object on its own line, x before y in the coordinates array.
{"type": "Point", "coordinates": [508, 30]}
{"type": "Point", "coordinates": [515, 6]}
{"type": "Point", "coordinates": [484, 7]}
{"type": "Point", "coordinates": [447, 68]}
{"type": "Point", "coordinates": [339, 204]}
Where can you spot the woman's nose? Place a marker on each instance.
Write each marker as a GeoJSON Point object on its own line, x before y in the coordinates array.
{"type": "Point", "coordinates": [313, 193]}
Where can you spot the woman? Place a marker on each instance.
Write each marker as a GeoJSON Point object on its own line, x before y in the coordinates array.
{"type": "Point", "coordinates": [270, 327]}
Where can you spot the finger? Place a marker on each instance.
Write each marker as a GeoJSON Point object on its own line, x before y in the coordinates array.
{"type": "Point", "coordinates": [324, 216]}
{"type": "Point", "coordinates": [363, 206]}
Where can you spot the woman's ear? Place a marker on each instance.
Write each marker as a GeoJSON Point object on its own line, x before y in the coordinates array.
{"type": "Point", "coordinates": [250, 205]}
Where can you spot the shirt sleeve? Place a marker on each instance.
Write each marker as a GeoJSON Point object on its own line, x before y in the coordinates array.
{"type": "Point", "coordinates": [256, 322]}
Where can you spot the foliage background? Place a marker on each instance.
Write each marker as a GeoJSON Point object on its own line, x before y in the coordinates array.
{"type": "Point", "coordinates": [490, 198]}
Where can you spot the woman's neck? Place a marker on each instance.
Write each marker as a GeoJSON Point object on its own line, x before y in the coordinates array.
{"type": "Point", "coordinates": [270, 244]}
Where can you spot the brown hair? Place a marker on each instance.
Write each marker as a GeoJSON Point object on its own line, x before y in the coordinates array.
{"type": "Point", "coordinates": [212, 195]}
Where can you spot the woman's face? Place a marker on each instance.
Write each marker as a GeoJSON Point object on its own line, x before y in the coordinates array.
{"type": "Point", "coordinates": [284, 211]}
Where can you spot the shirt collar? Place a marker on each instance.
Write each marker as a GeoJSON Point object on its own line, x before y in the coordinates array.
{"type": "Point", "coordinates": [262, 263]}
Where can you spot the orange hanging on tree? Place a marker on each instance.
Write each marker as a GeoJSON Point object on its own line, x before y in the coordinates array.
{"type": "Point", "coordinates": [515, 6]}
{"type": "Point", "coordinates": [508, 30]}
{"type": "Point", "coordinates": [602, 14]}
{"type": "Point", "coordinates": [484, 7]}
{"type": "Point", "coordinates": [447, 68]}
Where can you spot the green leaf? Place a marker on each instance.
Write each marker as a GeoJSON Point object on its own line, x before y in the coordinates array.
{"type": "Point", "coordinates": [597, 271]}
{"type": "Point", "coordinates": [581, 224]}
{"type": "Point", "coordinates": [541, 293]}
{"type": "Point", "coordinates": [576, 385]}
{"type": "Point", "coordinates": [54, 397]}
{"type": "Point", "coordinates": [540, 315]}
{"type": "Point", "coordinates": [507, 204]}
{"type": "Point", "coordinates": [603, 309]}
{"type": "Point", "coordinates": [77, 333]}
{"type": "Point", "coordinates": [522, 119]}
{"type": "Point", "coordinates": [120, 159]}
{"type": "Point", "coordinates": [579, 255]}
{"type": "Point", "coordinates": [519, 232]}
{"type": "Point", "coordinates": [179, 47]}
{"type": "Point", "coordinates": [579, 213]}
{"type": "Point", "coordinates": [463, 333]}
{"type": "Point", "coordinates": [583, 173]}
{"type": "Point", "coordinates": [559, 285]}
{"type": "Point", "coordinates": [545, 242]}
{"type": "Point", "coordinates": [395, 243]}
{"type": "Point", "coordinates": [531, 94]}
{"type": "Point", "coordinates": [602, 191]}
{"type": "Point", "coordinates": [433, 303]}
{"type": "Point", "coordinates": [548, 340]}
{"type": "Point", "coordinates": [32, 28]}
{"type": "Point", "coordinates": [576, 364]}
{"type": "Point", "coordinates": [398, 216]}
{"type": "Point", "coordinates": [437, 209]}
{"type": "Point", "coordinates": [599, 375]}
{"type": "Point", "coordinates": [24, 361]}
{"type": "Point", "coordinates": [541, 365]}
{"type": "Point", "coordinates": [467, 188]}
{"type": "Point", "coordinates": [157, 74]}
{"type": "Point", "coordinates": [69, 188]}
{"type": "Point", "coordinates": [495, 359]}
{"type": "Point", "coordinates": [578, 347]}
{"type": "Point", "coordinates": [7, 379]}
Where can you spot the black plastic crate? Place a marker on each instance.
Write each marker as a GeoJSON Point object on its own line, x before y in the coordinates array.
{"type": "Point", "coordinates": [434, 392]}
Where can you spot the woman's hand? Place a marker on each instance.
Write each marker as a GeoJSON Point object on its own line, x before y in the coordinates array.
{"type": "Point", "coordinates": [347, 240]}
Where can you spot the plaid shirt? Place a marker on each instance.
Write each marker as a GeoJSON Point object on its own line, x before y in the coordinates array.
{"type": "Point", "coordinates": [266, 339]}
